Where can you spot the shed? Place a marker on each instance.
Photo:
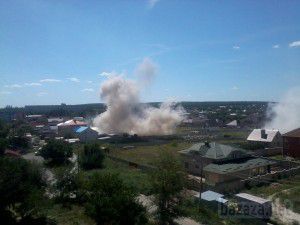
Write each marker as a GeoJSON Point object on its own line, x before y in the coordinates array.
{"type": "Point", "coordinates": [251, 205]}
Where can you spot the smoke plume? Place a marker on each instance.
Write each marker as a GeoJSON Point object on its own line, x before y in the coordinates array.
{"type": "Point", "coordinates": [125, 114]}
{"type": "Point", "coordinates": [286, 114]}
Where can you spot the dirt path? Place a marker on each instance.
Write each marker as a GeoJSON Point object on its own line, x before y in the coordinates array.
{"type": "Point", "coordinates": [281, 213]}
{"type": "Point", "coordinates": [147, 202]}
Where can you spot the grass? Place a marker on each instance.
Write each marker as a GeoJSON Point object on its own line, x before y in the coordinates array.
{"type": "Point", "coordinates": [73, 215]}
{"type": "Point", "coordinates": [135, 178]}
{"type": "Point", "coordinates": [147, 154]}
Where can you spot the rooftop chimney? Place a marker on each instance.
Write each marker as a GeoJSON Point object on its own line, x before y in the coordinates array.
{"type": "Point", "coordinates": [263, 134]}
{"type": "Point", "coordinates": [206, 143]}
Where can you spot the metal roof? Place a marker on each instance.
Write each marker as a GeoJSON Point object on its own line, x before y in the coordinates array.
{"type": "Point", "coordinates": [293, 133]}
{"type": "Point", "coordinates": [213, 150]}
{"type": "Point", "coordinates": [238, 165]}
{"type": "Point", "coordinates": [232, 123]}
{"type": "Point", "coordinates": [252, 198]}
{"type": "Point", "coordinates": [210, 195]}
{"type": "Point", "coordinates": [262, 135]}
{"type": "Point", "coordinates": [81, 129]}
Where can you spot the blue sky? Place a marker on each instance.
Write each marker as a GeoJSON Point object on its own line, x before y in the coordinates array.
{"type": "Point", "coordinates": [53, 51]}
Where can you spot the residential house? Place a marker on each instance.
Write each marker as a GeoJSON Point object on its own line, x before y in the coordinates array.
{"type": "Point", "coordinates": [265, 138]}
{"type": "Point", "coordinates": [224, 166]}
{"type": "Point", "coordinates": [201, 154]}
{"type": "Point", "coordinates": [291, 143]}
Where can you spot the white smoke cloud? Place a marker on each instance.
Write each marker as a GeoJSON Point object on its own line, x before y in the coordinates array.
{"type": "Point", "coordinates": [146, 71]}
{"type": "Point", "coordinates": [286, 114]}
{"type": "Point", "coordinates": [125, 114]}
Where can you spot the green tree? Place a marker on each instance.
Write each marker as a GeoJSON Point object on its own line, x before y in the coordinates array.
{"type": "Point", "coordinates": [21, 189]}
{"type": "Point", "coordinates": [111, 201]}
{"type": "Point", "coordinates": [3, 145]}
{"type": "Point", "coordinates": [167, 183]}
{"type": "Point", "coordinates": [92, 157]}
{"type": "Point", "coordinates": [69, 186]}
{"type": "Point", "coordinates": [57, 151]}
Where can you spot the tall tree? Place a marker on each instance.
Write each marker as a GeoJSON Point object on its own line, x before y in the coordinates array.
{"type": "Point", "coordinates": [167, 181]}
{"type": "Point", "coordinates": [111, 201]}
{"type": "Point", "coordinates": [21, 189]}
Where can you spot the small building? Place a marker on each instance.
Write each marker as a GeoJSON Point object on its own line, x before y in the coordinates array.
{"type": "Point", "coordinates": [86, 134]}
{"type": "Point", "coordinates": [232, 124]}
{"type": "Point", "coordinates": [265, 138]}
{"type": "Point", "coordinates": [291, 143]}
{"type": "Point", "coordinates": [253, 206]}
{"type": "Point", "coordinates": [68, 128]}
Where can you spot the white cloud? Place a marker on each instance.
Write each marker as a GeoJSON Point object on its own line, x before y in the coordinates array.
{"type": "Point", "coordinates": [13, 86]}
{"type": "Point", "coordinates": [33, 84]}
{"type": "Point", "coordinates": [73, 79]}
{"type": "Point", "coordinates": [5, 92]}
{"type": "Point", "coordinates": [88, 90]}
{"type": "Point", "coordinates": [49, 80]}
{"type": "Point", "coordinates": [41, 94]}
{"type": "Point", "coordinates": [235, 88]}
{"type": "Point", "coordinates": [275, 46]}
{"type": "Point", "coordinates": [89, 82]}
{"type": "Point", "coordinates": [236, 47]}
{"type": "Point", "coordinates": [294, 44]}
{"type": "Point", "coordinates": [152, 3]}
{"type": "Point", "coordinates": [107, 74]}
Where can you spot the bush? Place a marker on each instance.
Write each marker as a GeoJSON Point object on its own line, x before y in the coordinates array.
{"type": "Point", "coordinates": [57, 151]}
{"type": "Point", "coordinates": [92, 157]}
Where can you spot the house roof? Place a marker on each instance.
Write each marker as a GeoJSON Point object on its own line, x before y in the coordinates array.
{"type": "Point", "coordinates": [293, 133]}
{"type": "Point", "coordinates": [210, 195]}
{"type": "Point", "coordinates": [238, 165]}
{"type": "Point", "coordinates": [213, 150]}
{"type": "Point", "coordinates": [81, 129]}
{"type": "Point", "coordinates": [258, 135]}
{"type": "Point", "coordinates": [72, 123]}
{"type": "Point", "coordinates": [232, 123]}
{"type": "Point", "coordinates": [252, 198]}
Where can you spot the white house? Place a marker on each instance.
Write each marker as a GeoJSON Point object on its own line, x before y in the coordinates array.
{"type": "Point", "coordinates": [267, 137]}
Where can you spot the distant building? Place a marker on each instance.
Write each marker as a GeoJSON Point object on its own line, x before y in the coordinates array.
{"type": "Point", "coordinates": [265, 137]}
{"type": "Point", "coordinates": [233, 123]}
{"type": "Point", "coordinates": [86, 134]}
{"type": "Point", "coordinates": [291, 143]}
{"type": "Point", "coordinates": [69, 127]}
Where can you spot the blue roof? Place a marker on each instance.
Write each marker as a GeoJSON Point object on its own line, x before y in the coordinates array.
{"type": "Point", "coordinates": [81, 129]}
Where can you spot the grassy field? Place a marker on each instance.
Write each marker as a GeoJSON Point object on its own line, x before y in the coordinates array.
{"type": "Point", "coordinates": [147, 154]}
{"type": "Point", "coordinates": [72, 215]}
